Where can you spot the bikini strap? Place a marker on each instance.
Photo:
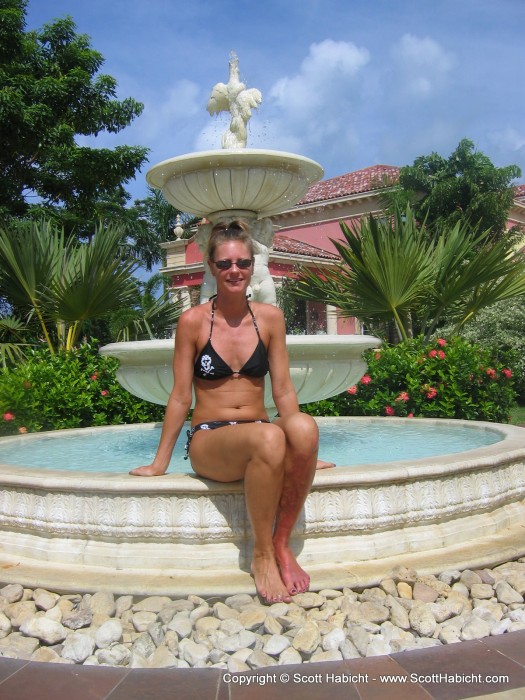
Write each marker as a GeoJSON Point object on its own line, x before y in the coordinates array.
{"type": "Point", "coordinates": [249, 309]}
{"type": "Point", "coordinates": [212, 314]}
{"type": "Point", "coordinates": [253, 319]}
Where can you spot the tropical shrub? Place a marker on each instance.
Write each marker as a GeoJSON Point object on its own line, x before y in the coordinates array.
{"type": "Point", "coordinates": [439, 379]}
{"type": "Point", "coordinates": [68, 389]}
{"type": "Point", "coordinates": [393, 271]}
{"type": "Point", "coordinates": [63, 283]}
{"type": "Point", "coordinates": [502, 326]}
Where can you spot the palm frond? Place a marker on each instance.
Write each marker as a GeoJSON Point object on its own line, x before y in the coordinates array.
{"type": "Point", "coordinates": [11, 340]}
{"type": "Point", "coordinates": [392, 270]}
{"type": "Point", "coordinates": [31, 254]}
{"type": "Point", "coordinates": [387, 268]}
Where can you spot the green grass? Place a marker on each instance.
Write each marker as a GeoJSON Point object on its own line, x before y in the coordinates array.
{"type": "Point", "coordinates": [517, 415]}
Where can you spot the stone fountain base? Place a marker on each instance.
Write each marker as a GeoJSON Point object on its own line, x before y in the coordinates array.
{"type": "Point", "coordinates": [178, 534]}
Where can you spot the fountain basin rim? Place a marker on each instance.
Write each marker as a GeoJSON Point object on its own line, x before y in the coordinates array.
{"type": "Point", "coordinates": [252, 183]}
{"type": "Point", "coordinates": [138, 536]}
{"type": "Point", "coordinates": [298, 346]}
{"type": "Point", "coordinates": [158, 175]}
{"type": "Point", "coordinates": [481, 458]}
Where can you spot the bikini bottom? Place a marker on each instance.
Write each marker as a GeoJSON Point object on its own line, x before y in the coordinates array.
{"type": "Point", "coordinates": [213, 425]}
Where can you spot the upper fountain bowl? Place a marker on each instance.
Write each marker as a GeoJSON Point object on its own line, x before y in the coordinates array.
{"type": "Point", "coordinates": [250, 183]}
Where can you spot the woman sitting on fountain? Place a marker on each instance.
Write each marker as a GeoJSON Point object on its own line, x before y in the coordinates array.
{"type": "Point", "coordinates": [225, 347]}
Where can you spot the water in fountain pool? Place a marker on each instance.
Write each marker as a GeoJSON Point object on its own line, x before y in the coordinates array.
{"type": "Point", "coordinates": [346, 443]}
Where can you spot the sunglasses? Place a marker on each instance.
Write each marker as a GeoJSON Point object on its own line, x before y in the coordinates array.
{"type": "Point", "coordinates": [242, 263]}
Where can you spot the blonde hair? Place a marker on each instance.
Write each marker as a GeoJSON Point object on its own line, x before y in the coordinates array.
{"type": "Point", "coordinates": [237, 230]}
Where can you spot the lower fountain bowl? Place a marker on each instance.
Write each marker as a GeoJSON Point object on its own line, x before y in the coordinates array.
{"type": "Point", "coordinates": [176, 534]}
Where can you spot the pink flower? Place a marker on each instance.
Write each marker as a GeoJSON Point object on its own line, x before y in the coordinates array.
{"type": "Point", "coordinates": [366, 379]}
{"type": "Point", "coordinates": [403, 396]}
{"type": "Point", "coordinates": [104, 392]}
{"type": "Point", "coordinates": [442, 342]}
{"type": "Point", "coordinates": [441, 354]}
{"type": "Point", "coordinates": [410, 415]}
{"type": "Point", "coordinates": [389, 411]}
{"type": "Point", "coordinates": [491, 373]}
{"type": "Point", "coordinates": [8, 416]}
{"type": "Point", "coordinates": [352, 390]}
{"type": "Point", "coordinates": [507, 373]}
{"type": "Point", "coordinates": [22, 429]}
{"type": "Point", "coordinates": [433, 353]}
{"type": "Point", "coordinates": [377, 355]}
{"type": "Point", "coordinates": [94, 377]}
{"type": "Point", "coordinates": [431, 393]}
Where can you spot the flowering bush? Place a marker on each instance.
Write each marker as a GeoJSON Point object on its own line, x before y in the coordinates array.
{"type": "Point", "coordinates": [442, 379]}
{"type": "Point", "coordinates": [502, 325]}
{"type": "Point", "coordinates": [73, 389]}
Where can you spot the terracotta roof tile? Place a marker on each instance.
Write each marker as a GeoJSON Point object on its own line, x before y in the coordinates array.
{"type": "Point", "coordinates": [519, 192]}
{"type": "Point", "coordinates": [364, 180]}
{"type": "Point", "coordinates": [285, 244]}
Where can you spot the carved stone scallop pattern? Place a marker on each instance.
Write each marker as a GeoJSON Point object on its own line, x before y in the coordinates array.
{"type": "Point", "coordinates": [223, 516]}
{"type": "Point", "coordinates": [144, 517]}
{"type": "Point", "coordinates": [356, 508]}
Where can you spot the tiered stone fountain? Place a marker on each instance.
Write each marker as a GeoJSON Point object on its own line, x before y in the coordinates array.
{"type": "Point", "coordinates": [178, 534]}
{"type": "Point", "coordinates": [253, 184]}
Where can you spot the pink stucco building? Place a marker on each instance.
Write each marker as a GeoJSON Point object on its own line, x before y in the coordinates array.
{"type": "Point", "coordinates": [304, 236]}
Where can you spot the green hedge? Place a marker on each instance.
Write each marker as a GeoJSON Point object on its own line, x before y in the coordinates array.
{"type": "Point", "coordinates": [73, 389]}
{"type": "Point", "coordinates": [442, 379]}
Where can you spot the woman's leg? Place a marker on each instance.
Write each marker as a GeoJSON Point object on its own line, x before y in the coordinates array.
{"type": "Point", "coordinates": [254, 452]}
{"type": "Point", "coordinates": [302, 442]}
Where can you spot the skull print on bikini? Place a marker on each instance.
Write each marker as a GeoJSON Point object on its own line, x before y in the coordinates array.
{"type": "Point", "coordinates": [210, 365]}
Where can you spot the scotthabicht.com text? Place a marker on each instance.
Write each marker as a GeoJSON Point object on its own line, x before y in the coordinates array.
{"type": "Point", "coordinates": [242, 679]}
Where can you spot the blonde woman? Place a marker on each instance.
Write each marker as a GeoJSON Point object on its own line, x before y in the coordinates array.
{"type": "Point", "coordinates": [224, 349]}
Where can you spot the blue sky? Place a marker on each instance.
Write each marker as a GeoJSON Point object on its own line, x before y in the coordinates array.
{"type": "Point", "coordinates": [349, 83]}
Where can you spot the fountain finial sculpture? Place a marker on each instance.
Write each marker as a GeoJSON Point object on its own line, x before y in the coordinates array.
{"type": "Point", "coordinates": [236, 182]}
{"type": "Point", "coordinates": [235, 98]}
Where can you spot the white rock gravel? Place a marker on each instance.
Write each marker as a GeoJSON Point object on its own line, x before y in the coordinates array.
{"type": "Point", "coordinates": [239, 633]}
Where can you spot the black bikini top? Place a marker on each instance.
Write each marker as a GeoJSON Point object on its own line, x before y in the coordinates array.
{"type": "Point", "coordinates": [210, 365]}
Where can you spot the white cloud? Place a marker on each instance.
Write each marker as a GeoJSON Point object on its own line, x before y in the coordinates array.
{"type": "Point", "coordinates": [507, 146]}
{"type": "Point", "coordinates": [327, 70]}
{"type": "Point", "coordinates": [421, 66]}
{"type": "Point", "coordinates": [508, 138]}
{"type": "Point", "coordinates": [310, 110]}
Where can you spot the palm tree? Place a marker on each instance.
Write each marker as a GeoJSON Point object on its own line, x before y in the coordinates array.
{"type": "Point", "coordinates": [149, 316]}
{"type": "Point", "coordinates": [152, 221]}
{"type": "Point", "coordinates": [391, 270]}
{"type": "Point", "coordinates": [63, 282]}
{"type": "Point", "coordinates": [11, 340]}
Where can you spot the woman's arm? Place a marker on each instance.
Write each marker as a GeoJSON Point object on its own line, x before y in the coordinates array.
{"type": "Point", "coordinates": [179, 401]}
{"type": "Point", "coordinates": [283, 391]}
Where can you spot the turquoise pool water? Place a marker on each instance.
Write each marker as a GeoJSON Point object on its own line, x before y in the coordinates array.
{"type": "Point", "coordinates": [350, 443]}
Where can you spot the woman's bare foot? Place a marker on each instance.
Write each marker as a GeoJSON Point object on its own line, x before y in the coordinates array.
{"type": "Point", "coordinates": [148, 470]}
{"type": "Point", "coordinates": [294, 577]}
{"type": "Point", "coordinates": [268, 582]}
{"type": "Point", "coordinates": [321, 464]}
